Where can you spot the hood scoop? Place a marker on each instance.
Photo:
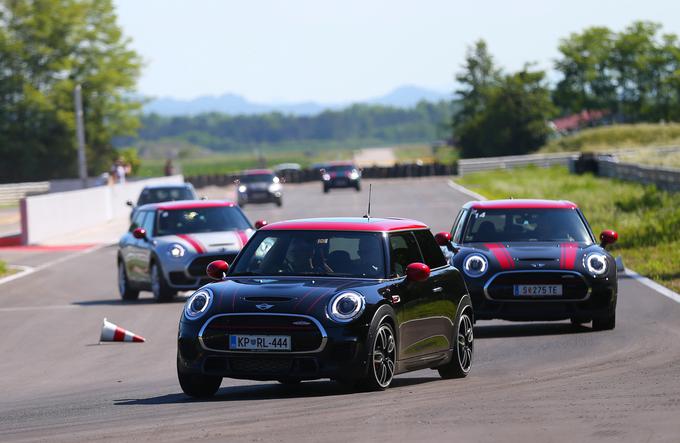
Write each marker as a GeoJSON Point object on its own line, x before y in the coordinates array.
{"type": "Point", "coordinates": [268, 299]}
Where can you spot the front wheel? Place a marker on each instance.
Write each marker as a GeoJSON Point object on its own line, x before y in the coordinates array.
{"type": "Point", "coordinates": [159, 287]}
{"type": "Point", "coordinates": [382, 359]}
{"type": "Point", "coordinates": [126, 291]}
{"type": "Point", "coordinates": [199, 385]}
{"type": "Point", "coordinates": [279, 202]}
{"type": "Point", "coordinates": [461, 360]}
{"type": "Point", "coordinates": [606, 323]}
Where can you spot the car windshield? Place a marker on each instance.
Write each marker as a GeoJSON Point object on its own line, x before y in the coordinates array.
{"type": "Point", "coordinates": [313, 253]}
{"type": "Point", "coordinates": [157, 195]}
{"type": "Point", "coordinates": [340, 168]}
{"type": "Point", "coordinates": [525, 225]}
{"type": "Point", "coordinates": [259, 178]}
{"type": "Point", "coordinates": [195, 220]}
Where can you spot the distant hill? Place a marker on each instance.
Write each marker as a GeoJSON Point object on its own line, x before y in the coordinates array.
{"type": "Point", "coordinates": [232, 104]}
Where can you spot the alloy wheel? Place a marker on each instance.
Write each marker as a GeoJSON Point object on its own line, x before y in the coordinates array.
{"type": "Point", "coordinates": [384, 355]}
{"type": "Point", "coordinates": [465, 342]}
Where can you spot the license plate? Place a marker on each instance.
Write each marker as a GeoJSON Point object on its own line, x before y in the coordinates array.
{"type": "Point", "coordinates": [537, 290]}
{"type": "Point", "coordinates": [260, 342]}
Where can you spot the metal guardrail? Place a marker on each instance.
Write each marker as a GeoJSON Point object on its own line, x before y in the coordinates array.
{"type": "Point", "coordinates": [667, 179]}
{"type": "Point", "coordinates": [514, 161]}
{"type": "Point", "coordinates": [13, 192]}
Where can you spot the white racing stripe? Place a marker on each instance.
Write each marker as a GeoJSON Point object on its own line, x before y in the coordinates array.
{"type": "Point", "coordinates": [643, 280]}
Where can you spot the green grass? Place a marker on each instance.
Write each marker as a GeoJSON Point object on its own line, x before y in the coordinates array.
{"type": "Point", "coordinates": [426, 154]}
{"type": "Point", "coordinates": [664, 159]}
{"type": "Point", "coordinates": [3, 268]}
{"type": "Point", "coordinates": [647, 220]}
{"type": "Point", "coordinates": [615, 137]}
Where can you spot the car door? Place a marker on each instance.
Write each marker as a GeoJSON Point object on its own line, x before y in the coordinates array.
{"type": "Point", "coordinates": [138, 262]}
{"type": "Point", "coordinates": [128, 247]}
{"type": "Point", "coordinates": [415, 336]}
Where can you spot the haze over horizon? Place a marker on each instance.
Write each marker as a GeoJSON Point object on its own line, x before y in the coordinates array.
{"type": "Point", "coordinates": [343, 52]}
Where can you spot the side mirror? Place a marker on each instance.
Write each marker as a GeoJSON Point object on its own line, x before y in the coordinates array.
{"type": "Point", "coordinates": [217, 269]}
{"type": "Point", "coordinates": [417, 272]}
{"type": "Point", "coordinates": [129, 203]}
{"type": "Point", "coordinates": [608, 237]}
{"type": "Point", "coordinates": [139, 233]}
{"type": "Point", "coordinates": [260, 224]}
{"type": "Point", "coordinates": [443, 238]}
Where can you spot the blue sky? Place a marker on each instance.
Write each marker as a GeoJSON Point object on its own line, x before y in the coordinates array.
{"type": "Point", "coordinates": [346, 50]}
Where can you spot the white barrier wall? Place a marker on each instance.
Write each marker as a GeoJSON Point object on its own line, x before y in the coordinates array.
{"type": "Point", "coordinates": [44, 217]}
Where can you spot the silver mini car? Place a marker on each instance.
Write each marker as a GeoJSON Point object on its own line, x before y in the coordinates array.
{"type": "Point", "coordinates": [169, 245]}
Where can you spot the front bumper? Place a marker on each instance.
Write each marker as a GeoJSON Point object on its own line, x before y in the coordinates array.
{"type": "Point", "coordinates": [343, 355]}
{"type": "Point", "coordinates": [188, 272]}
{"type": "Point", "coordinates": [259, 197]}
{"type": "Point", "coordinates": [341, 182]}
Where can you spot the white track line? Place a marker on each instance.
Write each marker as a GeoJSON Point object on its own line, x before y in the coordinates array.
{"type": "Point", "coordinates": [465, 190]}
{"type": "Point", "coordinates": [655, 286]}
{"type": "Point", "coordinates": [27, 270]}
{"type": "Point", "coordinates": [643, 280]}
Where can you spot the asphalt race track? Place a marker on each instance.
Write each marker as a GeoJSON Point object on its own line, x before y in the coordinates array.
{"type": "Point", "coordinates": [529, 382]}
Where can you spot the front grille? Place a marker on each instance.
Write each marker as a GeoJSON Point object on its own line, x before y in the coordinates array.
{"type": "Point", "coordinates": [305, 335]}
{"type": "Point", "coordinates": [261, 365]}
{"type": "Point", "coordinates": [197, 267]}
{"type": "Point", "coordinates": [574, 286]}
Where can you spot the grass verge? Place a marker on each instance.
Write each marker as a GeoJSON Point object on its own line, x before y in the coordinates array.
{"type": "Point", "coordinates": [615, 137]}
{"type": "Point", "coordinates": [647, 220]}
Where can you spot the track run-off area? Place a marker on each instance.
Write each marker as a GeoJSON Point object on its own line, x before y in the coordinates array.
{"type": "Point", "coordinates": [529, 381]}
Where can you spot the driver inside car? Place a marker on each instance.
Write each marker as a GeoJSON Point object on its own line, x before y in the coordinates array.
{"type": "Point", "coordinates": [300, 259]}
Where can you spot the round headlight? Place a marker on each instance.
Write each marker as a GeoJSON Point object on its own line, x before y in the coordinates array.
{"type": "Point", "coordinates": [596, 263]}
{"type": "Point", "coordinates": [326, 177]}
{"type": "Point", "coordinates": [346, 306]}
{"type": "Point", "coordinates": [274, 187]}
{"type": "Point", "coordinates": [242, 188]}
{"type": "Point", "coordinates": [475, 265]}
{"type": "Point", "coordinates": [198, 304]}
{"type": "Point", "coordinates": [176, 250]}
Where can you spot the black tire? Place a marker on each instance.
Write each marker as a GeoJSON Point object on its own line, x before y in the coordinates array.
{"type": "Point", "coordinates": [461, 360]}
{"type": "Point", "coordinates": [279, 202]}
{"type": "Point", "coordinates": [159, 287]}
{"type": "Point", "coordinates": [127, 292]}
{"type": "Point", "coordinates": [606, 323]}
{"type": "Point", "coordinates": [382, 358]}
{"type": "Point", "coordinates": [325, 189]}
{"type": "Point", "coordinates": [198, 385]}
{"type": "Point", "coordinates": [358, 187]}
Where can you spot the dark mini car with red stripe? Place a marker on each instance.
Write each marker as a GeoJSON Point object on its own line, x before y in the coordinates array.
{"type": "Point", "coordinates": [169, 244]}
{"type": "Point", "coordinates": [356, 300]}
{"type": "Point", "coordinates": [527, 260]}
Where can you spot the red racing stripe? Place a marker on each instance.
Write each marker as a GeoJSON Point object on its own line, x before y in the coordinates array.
{"type": "Point", "coordinates": [568, 255]}
{"type": "Point", "coordinates": [243, 236]}
{"type": "Point", "coordinates": [502, 255]}
{"type": "Point", "coordinates": [193, 242]}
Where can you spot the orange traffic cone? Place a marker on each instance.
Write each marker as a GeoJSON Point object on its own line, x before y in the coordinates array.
{"type": "Point", "coordinates": [111, 332]}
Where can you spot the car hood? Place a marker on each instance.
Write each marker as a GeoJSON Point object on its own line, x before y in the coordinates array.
{"type": "Point", "coordinates": [305, 296]}
{"type": "Point", "coordinates": [544, 255]}
{"type": "Point", "coordinates": [210, 242]}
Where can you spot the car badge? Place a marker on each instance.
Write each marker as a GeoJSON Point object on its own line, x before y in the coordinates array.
{"type": "Point", "coordinates": [538, 265]}
{"type": "Point", "coordinates": [301, 323]}
{"type": "Point", "coordinates": [264, 306]}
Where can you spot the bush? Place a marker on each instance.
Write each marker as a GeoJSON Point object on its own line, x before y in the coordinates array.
{"type": "Point", "coordinates": [616, 137]}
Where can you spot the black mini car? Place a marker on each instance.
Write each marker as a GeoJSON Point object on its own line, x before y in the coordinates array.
{"type": "Point", "coordinates": [162, 193]}
{"type": "Point", "coordinates": [341, 175]}
{"type": "Point", "coordinates": [356, 300]}
{"type": "Point", "coordinates": [534, 260]}
{"type": "Point", "coordinates": [259, 186]}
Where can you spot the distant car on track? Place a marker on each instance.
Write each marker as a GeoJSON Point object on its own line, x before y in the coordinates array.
{"type": "Point", "coordinates": [352, 299]}
{"type": "Point", "coordinates": [341, 175]}
{"type": "Point", "coordinates": [163, 193]}
{"type": "Point", "coordinates": [259, 186]}
{"type": "Point", "coordinates": [169, 245]}
{"type": "Point", "coordinates": [534, 260]}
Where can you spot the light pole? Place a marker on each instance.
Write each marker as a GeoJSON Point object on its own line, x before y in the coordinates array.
{"type": "Point", "coordinates": [80, 134]}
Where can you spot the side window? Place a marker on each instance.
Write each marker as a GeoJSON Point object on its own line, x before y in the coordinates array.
{"type": "Point", "coordinates": [431, 251]}
{"type": "Point", "coordinates": [138, 221]}
{"type": "Point", "coordinates": [403, 251]}
{"type": "Point", "coordinates": [458, 228]}
{"type": "Point", "coordinates": [149, 222]}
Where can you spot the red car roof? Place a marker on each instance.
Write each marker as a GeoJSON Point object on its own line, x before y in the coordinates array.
{"type": "Point", "coordinates": [191, 204]}
{"type": "Point", "coordinates": [347, 224]}
{"type": "Point", "coordinates": [521, 204]}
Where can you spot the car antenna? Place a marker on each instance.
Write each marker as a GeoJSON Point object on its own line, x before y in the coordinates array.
{"type": "Point", "coordinates": [368, 214]}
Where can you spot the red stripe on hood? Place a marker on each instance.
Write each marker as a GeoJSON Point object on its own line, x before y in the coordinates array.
{"type": "Point", "coordinates": [243, 237]}
{"type": "Point", "coordinates": [568, 255]}
{"type": "Point", "coordinates": [502, 255]}
{"type": "Point", "coordinates": [193, 242]}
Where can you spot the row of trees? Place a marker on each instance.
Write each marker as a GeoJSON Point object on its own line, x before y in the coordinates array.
{"type": "Point", "coordinates": [357, 123]}
{"type": "Point", "coordinates": [46, 48]}
{"type": "Point", "coordinates": [634, 75]}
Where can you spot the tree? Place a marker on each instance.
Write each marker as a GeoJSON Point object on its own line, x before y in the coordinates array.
{"type": "Point", "coordinates": [46, 48]}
